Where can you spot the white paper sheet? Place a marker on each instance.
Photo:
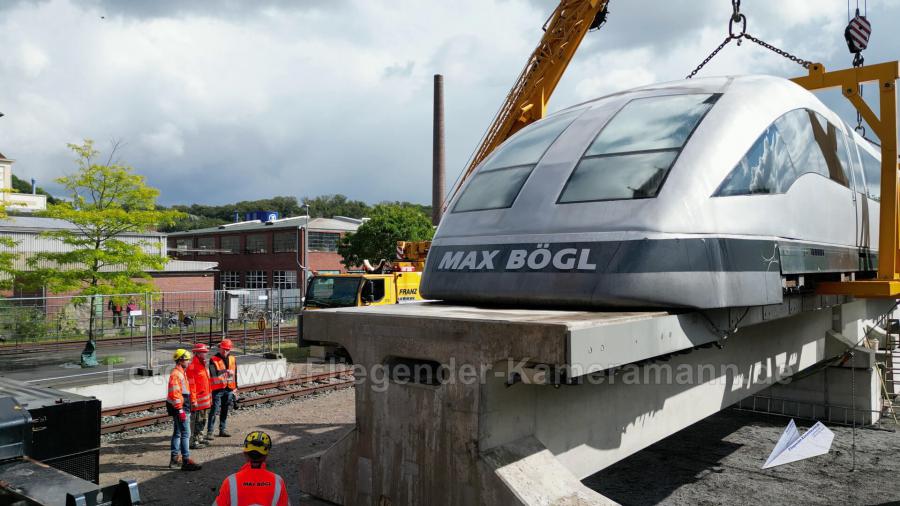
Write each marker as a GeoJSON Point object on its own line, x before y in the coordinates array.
{"type": "Point", "coordinates": [792, 447]}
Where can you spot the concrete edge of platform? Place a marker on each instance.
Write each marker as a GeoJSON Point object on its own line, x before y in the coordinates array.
{"type": "Point", "coordinates": [138, 389]}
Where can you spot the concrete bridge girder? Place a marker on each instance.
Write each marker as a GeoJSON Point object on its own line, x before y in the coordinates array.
{"type": "Point", "coordinates": [497, 441]}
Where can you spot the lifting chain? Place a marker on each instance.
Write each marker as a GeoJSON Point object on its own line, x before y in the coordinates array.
{"type": "Point", "coordinates": [738, 18]}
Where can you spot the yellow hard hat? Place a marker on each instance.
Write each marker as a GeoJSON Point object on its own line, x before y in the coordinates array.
{"type": "Point", "coordinates": [181, 354]}
{"type": "Point", "coordinates": [258, 441]}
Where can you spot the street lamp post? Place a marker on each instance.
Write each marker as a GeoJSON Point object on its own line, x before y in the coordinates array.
{"type": "Point", "coordinates": [304, 270]}
{"type": "Point", "coordinates": [305, 253]}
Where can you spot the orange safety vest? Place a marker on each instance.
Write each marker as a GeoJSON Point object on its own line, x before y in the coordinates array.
{"type": "Point", "coordinates": [226, 376]}
{"type": "Point", "coordinates": [178, 388]}
{"type": "Point", "coordinates": [198, 378]}
{"type": "Point", "coordinates": [251, 486]}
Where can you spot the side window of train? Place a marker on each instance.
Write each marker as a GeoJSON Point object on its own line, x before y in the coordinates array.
{"type": "Point", "coordinates": [830, 141]}
{"type": "Point", "coordinates": [797, 143]}
{"type": "Point", "coordinates": [500, 178]}
{"type": "Point", "coordinates": [856, 170]}
{"type": "Point", "coordinates": [872, 168]}
{"type": "Point", "coordinates": [632, 154]}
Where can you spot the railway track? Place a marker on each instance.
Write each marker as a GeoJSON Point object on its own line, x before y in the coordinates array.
{"type": "Point", "coordinates": [252, 336]}
{"type": "Point", "coordinates": [288, 388]}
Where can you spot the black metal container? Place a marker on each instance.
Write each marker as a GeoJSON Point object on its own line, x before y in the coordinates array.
{"type": "Point", "coordinates": [65, 428]}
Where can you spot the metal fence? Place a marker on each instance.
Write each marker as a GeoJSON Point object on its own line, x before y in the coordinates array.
{"type": "Point", "coordinates": [265, 315]}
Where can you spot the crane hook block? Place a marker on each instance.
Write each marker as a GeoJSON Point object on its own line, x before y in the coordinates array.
{"type": "Point", "coordinates": [857, 33]}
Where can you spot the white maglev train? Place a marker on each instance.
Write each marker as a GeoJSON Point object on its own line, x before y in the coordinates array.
{"type": "Point", "coordinates": [706, 193]}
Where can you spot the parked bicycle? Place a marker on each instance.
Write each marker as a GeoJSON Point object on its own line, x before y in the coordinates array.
{"type": "Point", "coordinates": [166, 320]}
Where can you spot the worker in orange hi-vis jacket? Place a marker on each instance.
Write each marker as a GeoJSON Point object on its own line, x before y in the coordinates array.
{"type": "Point", "coordinates": [201, 395]}
{"type": "Point", "coordinates": [253, 483]}
{"type": "Point", "coordinates": [178, 404]}
{"type": "Point", "coordinates": [224, 384]}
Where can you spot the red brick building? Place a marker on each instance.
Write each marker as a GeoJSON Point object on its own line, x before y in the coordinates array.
{"type": "Point", "coordinates": [256, 254]}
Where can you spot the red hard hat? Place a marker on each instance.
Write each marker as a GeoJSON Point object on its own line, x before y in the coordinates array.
{"type": "Point", "coordinates": [200, 348]}
{"type": "Point", "coordinates": [225, 344]}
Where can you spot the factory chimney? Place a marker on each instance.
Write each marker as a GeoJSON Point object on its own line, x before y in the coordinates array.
{"type": "Point", "coordinates": [437, 163]}
{"type": "Point", "coordinates": [33, 187]}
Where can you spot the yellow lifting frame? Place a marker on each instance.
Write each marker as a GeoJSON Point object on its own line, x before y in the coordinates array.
{"type": "Point", "coordinates": [887, 283]}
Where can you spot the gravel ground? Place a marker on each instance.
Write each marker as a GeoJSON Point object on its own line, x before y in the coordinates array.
{"type": "Point", "coordinates": [298, 428]}
{"type": "Point", "coordinates": [716, 461]}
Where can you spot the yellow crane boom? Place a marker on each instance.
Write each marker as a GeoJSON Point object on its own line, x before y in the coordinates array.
{"type": "Point", "coordinates": [527, 100]}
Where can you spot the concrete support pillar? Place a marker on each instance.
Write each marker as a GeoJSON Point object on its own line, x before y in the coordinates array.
{"type": "Point", "coordinates": [843, 389]}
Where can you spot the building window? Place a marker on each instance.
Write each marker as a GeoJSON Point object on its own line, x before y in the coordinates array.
{"type": "Point", "coordinates": [182, 245]}
{"type": "Point", "coordinates": [285, 242]}
{"type": "Point", "coordinates": [206, 243]}
{"type": "Point", "coordinates": [323, 241]}
{"type": "Point", "coordinates": [284, 279]}
{"type": "Point", "coordinates": [231, 280]}
{"type": "Point", "coordinates": [256, 243]}
{"type": "Point", "coordinates": [231, 244]}
{"type": "Point", "coordinates": [256, 279]}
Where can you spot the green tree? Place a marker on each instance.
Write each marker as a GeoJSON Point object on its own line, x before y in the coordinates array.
{"type": "Point", "coordinates": [7, 258]}
{"type": "Point", "coordinates": [106, 201]}
{"type": "Point", "coordinates": [377, 238]}
{"type": "Point", "coordinates": [327, 206]}
{"type": "Point", "coordinates": [191, 222]}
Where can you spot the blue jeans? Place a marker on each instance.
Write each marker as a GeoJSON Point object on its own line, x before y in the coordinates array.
{"type": "Point", "coordinates": [181, 436]}
{"type": "Point", "coordinates": [220, 399]}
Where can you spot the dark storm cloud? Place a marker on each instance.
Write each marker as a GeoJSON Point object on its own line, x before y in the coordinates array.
{"type": "Point", "coordinates": [209, 8]}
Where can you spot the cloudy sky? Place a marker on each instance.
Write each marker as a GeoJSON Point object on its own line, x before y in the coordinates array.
{"type": "Point", "coordinates": [224, 100]}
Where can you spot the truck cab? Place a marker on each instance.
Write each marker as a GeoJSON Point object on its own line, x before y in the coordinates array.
{"type": "Point", "coordinates": [350, 290]}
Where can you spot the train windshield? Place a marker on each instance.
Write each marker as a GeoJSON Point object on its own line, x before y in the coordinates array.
{"type": "Point", "coordinates": [501, 177]}
{"type": "Point", "coordinates": [632, 155]}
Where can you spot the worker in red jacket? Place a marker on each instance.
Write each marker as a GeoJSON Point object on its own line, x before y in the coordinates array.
{"type": "Point", "coordinates": [178, 404]}
{"type": "Point", "coordinates": [223, 379]}
{"type": "Point", "coordinates": [201, 395]}
{"type": "Point", "coordinates": [253, 483]}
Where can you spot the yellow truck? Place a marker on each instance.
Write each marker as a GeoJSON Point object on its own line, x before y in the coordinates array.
{"type": "Point", "coordinates": [395, 282]}
{"type": "Point", "coordinates": [363, 289]}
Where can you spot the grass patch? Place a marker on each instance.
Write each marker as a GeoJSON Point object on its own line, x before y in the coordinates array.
{"type": "Point", "coordinates": [293, 353]}
{"type": "Point", "coordinates": [112, 360]}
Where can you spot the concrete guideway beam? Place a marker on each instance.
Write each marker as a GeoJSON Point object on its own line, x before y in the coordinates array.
{"type": "Point", "coordinates": [478, 436]}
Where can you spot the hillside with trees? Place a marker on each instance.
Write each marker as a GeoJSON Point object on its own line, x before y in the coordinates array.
{"type": "Point", "coordinates": [21, 186]}
{"type": "Point", "coordinates": [323, 206]}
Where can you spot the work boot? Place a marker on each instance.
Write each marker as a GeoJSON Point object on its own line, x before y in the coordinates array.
{"type": "Point", "coordinates": [175, 462]}
{"type": "Point", "coordinates": [224, 433]}
{"type": "Point", "coordinates": [210, 435]}
{"type": "Point", "coordinates": [197, 445]}
{"type": "Point", "coordinates": [207, 438]}
{"type": "Point", "coordinates": [190, 465]}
